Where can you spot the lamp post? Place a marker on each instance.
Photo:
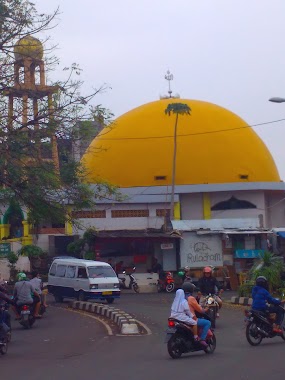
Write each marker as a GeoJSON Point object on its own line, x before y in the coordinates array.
{"type": "Point", "coordinates": [176, 109]}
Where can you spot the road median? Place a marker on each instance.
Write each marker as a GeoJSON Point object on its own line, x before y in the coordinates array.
{"type": "Point", "coordinates": [126, 323]}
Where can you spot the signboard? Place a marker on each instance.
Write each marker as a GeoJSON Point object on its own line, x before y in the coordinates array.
{"type": "Point", "coordinates": [5, 249]}
{"type": "Point", "coordinates": [166, 246]}
{"type": "Point", "coordinates": [197, 251]}
{"type": "Point", "coordinates": [248, 253]}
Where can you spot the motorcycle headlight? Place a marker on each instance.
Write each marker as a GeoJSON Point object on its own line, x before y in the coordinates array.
{"type": "Point", "coordinates": [210, 301]}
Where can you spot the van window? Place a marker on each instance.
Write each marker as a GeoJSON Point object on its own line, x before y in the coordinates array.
{"type": "Point", "coordinates": [101, 271]}
{"type": "Point", "coordinates": [60, 270]}
{"type": "Point", "coordinates": [52, 270]}
{"type": "Point", "coordinates": [70, 271]}
{"type": "Point", "coordinates": [82, 273]}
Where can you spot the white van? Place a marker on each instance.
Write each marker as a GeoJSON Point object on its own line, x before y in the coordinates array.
{"type": "Point", "coordinates": [82, 279]}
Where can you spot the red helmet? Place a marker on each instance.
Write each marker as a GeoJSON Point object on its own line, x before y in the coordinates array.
{"type": "Point", "coordinates": [207, 270]}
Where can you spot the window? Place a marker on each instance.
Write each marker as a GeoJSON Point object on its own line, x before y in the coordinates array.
{"type": "Point", "coordinates": [70, 272]}
{"type": "Point", "coordinates": [60, 270]}
{"type": "Point", "coordinates": [82, 273]}
{"type": "Point", "coordinates": [233, 204]}
{"type": "Point", "coordinates": [99, 272]}
{"type": "Point", "coordinates": [52, 270]}
{"type": "Point", "coordinates": [89, 214]}
{"type": "Point", "coordinates": [162, 212]}
{"type": "Point", "coordinates": [129, 213]}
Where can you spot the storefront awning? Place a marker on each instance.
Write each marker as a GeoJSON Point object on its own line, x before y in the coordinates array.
{"type": "Point", "coordinates": [281, 234]}
{"type": "Point", "coordinates": [149, 233]}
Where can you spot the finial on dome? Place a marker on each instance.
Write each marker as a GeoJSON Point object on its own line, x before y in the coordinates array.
{"type": "Point", "coordinates": [28, 47]}
{"type": "Point", "coordinates": [169, 77]}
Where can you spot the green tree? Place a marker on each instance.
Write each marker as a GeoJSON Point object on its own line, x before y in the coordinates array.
{"type": "Point", "coordinates": [178, 109]}
{"type": "Point", "coordinates": [26, 178]}
{"type": "Point", "coordinates": [271, 266]}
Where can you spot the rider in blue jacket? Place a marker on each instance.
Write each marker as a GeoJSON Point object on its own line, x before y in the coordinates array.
{"type": "Point", "coordinates": [261, 297]}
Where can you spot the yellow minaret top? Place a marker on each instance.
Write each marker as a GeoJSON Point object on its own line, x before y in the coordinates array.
{"type": "Point", "coordinates": [28, 47]}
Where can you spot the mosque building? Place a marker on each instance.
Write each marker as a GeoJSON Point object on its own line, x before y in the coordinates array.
{"type": "Point", "coordinates": [228, 195]}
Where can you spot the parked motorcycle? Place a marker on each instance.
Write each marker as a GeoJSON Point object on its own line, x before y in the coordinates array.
{"type": "Point", "coordinates": [132, 283]}
{"type": "Point", "coordinates": [166, 284]}
{"type": "Point", "coordinates": [27, 318]}
{"type": "Point", "coordinates": [260, 326]}
{"type": "Point", "coordinates": [180, 340]}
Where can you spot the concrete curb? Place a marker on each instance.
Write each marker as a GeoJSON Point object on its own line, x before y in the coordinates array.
{"type": "Point", "coordinates": [246, 301]}
{"type": "Point", "coordinates": [125, 322]}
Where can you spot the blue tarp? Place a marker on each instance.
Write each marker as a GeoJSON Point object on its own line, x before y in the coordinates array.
{"type": "Point", "coordinates": [281, 233]}
{"type": "Point", "coordinates": [248, 253]}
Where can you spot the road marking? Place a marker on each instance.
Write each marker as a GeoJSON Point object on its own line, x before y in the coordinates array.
{"type": "Point", "coordinates": [108, 328]}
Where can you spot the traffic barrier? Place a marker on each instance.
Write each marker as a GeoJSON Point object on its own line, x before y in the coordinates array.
{"type": "Point", "coordinates": [126, 323]}
{"type": "Point", "coordinates": [246, 301]}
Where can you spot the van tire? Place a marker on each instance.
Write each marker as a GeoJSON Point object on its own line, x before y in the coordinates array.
{"type": "Point", "coordinates": [110, 300]}
{"type": "Point", "coordinates": [81, 296]}
{"type": "Point", "coordinates": [58, 298]}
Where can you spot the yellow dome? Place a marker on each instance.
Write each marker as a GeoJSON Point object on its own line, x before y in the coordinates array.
{"type": "Point", "coordinates": [213, 146]}
{"type": "Point", "coordinates": [28, 47]}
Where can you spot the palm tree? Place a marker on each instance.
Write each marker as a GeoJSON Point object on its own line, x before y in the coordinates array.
{"type": "Point", "coordinates": [177, 109]}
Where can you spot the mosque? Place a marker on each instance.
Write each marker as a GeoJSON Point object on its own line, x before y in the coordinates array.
{"type": "Point", "coordinates": [227, 197]}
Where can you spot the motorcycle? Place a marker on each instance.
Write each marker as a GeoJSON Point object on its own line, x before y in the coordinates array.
{"type": "Point", "coordinates": [4, 316]}
{"type": "Point", "coordinates": [259, 325]}
{"type": "Point", "coordinates": [132, 284]}
{"type": "Point", "coordinates": [212, 305]}
{"type": "Point", "coordinates": [4, 332]}
{"type": "Point", "coordinates": [166, 284]}
{"type": "Point", "coordinates": [180, 340]}
{"type": "Point", "coordinates": [27, 318]}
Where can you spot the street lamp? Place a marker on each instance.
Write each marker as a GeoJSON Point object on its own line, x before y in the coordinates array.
{"type": "Point", "coordinates": [277, 100]}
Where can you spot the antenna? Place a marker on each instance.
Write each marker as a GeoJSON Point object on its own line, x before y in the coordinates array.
{"type": "Point", "coordinates": [169, 78]}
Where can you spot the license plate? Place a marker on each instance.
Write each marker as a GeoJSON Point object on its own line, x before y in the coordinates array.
{"type": "Point", "coordinates": [25, 312]}
{"type": "Point", "coordinates": [107, 293]}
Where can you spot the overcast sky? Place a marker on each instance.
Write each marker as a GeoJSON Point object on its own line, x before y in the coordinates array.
{"type": "Point", "coordinates": [229, 52]}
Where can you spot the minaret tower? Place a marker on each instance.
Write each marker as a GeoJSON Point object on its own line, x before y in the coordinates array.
{"type": "Point", "coordinates": [31, 88]}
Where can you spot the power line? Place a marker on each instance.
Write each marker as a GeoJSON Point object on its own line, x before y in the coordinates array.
{"type": "Point", "coordinates": [192, 134]}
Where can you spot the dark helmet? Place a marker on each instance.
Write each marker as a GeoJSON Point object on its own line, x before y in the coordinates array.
{"type": "Point", "coordinates": [188, 287]}
{"type": "Point", "coordinates": [261, 281]}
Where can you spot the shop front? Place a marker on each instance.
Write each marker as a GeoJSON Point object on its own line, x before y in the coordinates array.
{"type": "Point", "coordinates": [127, 249]}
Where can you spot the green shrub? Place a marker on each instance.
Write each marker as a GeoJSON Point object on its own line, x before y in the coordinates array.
{"type": "Point", "coordinates": [245, 290]}
{"type": "Point", "coordinates": [89, 256]}
{"type": "Point", "coordinates": [31, 251]}
{"type": "Point", "coordinates": [12, 258]}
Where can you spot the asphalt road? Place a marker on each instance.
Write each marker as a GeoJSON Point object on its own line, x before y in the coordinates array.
{"type": "Point", "coordinates": [71, 346]}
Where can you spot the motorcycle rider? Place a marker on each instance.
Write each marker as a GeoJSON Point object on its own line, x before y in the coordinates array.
{"type": "Point", "coordinates": [180, 311]}
{"type": "Point", "coordinates": [4, 298]}
{"type": "Point", "coordinates": [260, 298]}
{"type": "Point", "coordinates": [25, 294]}
{"type": "Point", "coordinates": [38, 286]}
{"type": "Point", "coordinates": [208, 284]}
{"type": "Point", "coordinates": [205, 324]}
